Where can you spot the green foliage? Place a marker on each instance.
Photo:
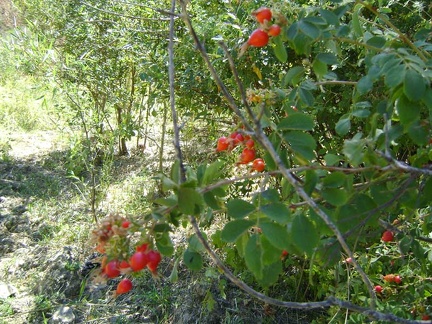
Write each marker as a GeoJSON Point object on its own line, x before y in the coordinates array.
{"type": "Point", "coordinates": [343, 98]}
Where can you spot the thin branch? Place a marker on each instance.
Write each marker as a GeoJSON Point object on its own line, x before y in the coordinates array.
{"type": "Point", "coordinates": [171, 76]}
{"type": "Point", "coordinates": [338, 82]}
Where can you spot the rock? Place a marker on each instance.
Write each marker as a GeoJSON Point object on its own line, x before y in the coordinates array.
{"type": "Point", "coordinates": [7, 290]}
{"type": "Point", "coordinates": [64, 314]}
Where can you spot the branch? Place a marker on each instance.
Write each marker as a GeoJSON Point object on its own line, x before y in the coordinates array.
{"type": "Point", "coordinates": [330, 301]}
{"type": "Point", "coordinates": [172, 95]}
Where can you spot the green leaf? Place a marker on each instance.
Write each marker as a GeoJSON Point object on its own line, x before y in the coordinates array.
{"type": "Point", "coordinates": [304, 235]}
{"type": "Point", "coordinates": [306, 96]}
{"type": "Point", "coordinates": [364, 85]}
{"type": "Point", "coordinates": [189, 201]}
{"type": "Point", "coordinates": [238, 208]}
{"type": "Point", "coordinates": [320, 68]}
{"type": "Point", "coordinates": [407, 110]}
{"type": "Point", "coordinates": [270, 253]}
{"type": "Point", "coordinates": [332, 159]}
{"type": "Point", "coordinates": [175, 172]}
{"type": "Point", "coordinates": [164, 244]}
{"type": "Point", "coordinates": [277, 211]}
{"type": "Point", "coordinates": [309, 29]}
{"type": "Point", "coordinates": [195, 244]}
{"type": "Point", "coordinates": [418, 133]}
{"type": "Point", "coordinates": [271, 274]}
{"type": "Point", "coordinates": [293, 76]}
{"type": "Point", "coordinates": [254, 256]}
{"type": "Point", "coordinates": [297, 121]}
{"type": "Point", "coordinates": [280, 50]}
{"type": "Point", "coordinates": [327, 58]}
{"type": "Point", "coordinates": [193, 260]}
{"type": "Point", "coordinates": [234, 229]}
{"type": "Point", "coordinates": [212, 172]}
{"type": "Point", "coordinates": [211, 201]}
{"type": "Point", "coordinates": [334, 180]}
{"type": "Point", "coordinates": [394, 76]}
{"type": "Point", "coordinates": [302, 143]}
{"type": "Point", "coordinates": [414, 85]}
{"type": "Point", "coordinates": [343, 126]}
{"type": "Point", "coordinates": [276, 234]}
{"type": "Point", "coordinates": [334, 196]}
{"type": "Point", "coordinates": [358, 32]}
{"type": "Point", "coordinates": [353, 149]}
{"type": "Point", "coordinates": [376, 41]}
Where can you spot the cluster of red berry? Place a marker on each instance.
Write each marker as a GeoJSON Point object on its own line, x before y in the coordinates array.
{"type": "Point", "coordinates": [260, 36]}
{"type": "Point", "coordinates": [117, 261]}
{"type": "Point", "coordinates": [248, 153]}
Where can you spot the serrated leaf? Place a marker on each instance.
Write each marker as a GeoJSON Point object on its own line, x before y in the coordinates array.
{"type": "Point", "coordinates": [270, 253]}
{"type": "Point", "coordinates": [280, 50]}
{"type": "Point", "coordinates": [276, 234]}
{"type": "Point", "coordinates": [414, 85]}
{"type": "Point", "coordinates": [296, 121]}
{"type": "Point", "coordinates": [418, 133]}
{"type": "Point", "coordinates": [254, 256]}
{"type": "Point", "coordinates": [302, 143]}
{"type": "Point", "coordinates": [175, 172]}
{"type": "Point", "coordinates": [238, 208]}
{"type": "Point", "coordinates": [189, 201]}
{"type": "Point", "coordinates": [356, 21]}
{"type": "Point", "coordinates": [193, 260]}
{"type": "Point", "coordinates": [304, 234]}
{"type": "Point", "coordinates": [234, 229]}
{"type": "Point", "coordinates": [195, 244]}
{"type": "Point", "coordinates": [394, 76]}
{"type": "Point", "coordinates": [276, 211]}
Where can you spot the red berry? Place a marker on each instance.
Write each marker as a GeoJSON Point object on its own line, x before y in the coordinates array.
{"type": "Point", "coordinates": [425, 317]}
{"type": "Point", "coordinates": [125, 224]}
{"type": "Point", "coordinates": [387, 236]}
{"type": "Point", "coordinates": [222, 144]}
{"type": "Point", "coordinates": [142, 248]}
{"type": "Point", "coordinates": [138, 261]}
{"type": "Point", "coordinates": [154, 259]}
{"type": "Point", "coordinates": [262, 14]}
{"type": "Point", "coordinates": [247, 155]}
{"type": "Point", "coordinates": [236, 138]}
{"type": "Point", "coordinates": [123, 265]}
{"type": "Point", "coordinates": [258, 38]}
{"type": "Point", "coordinates": [112, 270]}
{"type": "Point", "coordinates": [397, 279]}
{"type": "Point", "coordinates": [250, 143]}
{"type": "Point", "coordinates": [274, 30]}
{"type": "Point", "coordinates": [378, 289]}
{"type": "Point", "coordinates": [258, 165]}
{"type": "Point", "coordinates": [124, 286]}
{"type": "Point", "coordinates": [239, 138]}
{"type": "Point", "coordinates": [348, 260]}
{"type": "Point", "coordinates": [389, 278]}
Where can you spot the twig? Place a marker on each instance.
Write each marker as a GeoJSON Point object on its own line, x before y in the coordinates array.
{"type": "Point", "coordinates": [172, 95]}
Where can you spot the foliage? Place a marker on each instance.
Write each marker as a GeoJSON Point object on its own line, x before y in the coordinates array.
{"type": "Point", "coordinates": [338, 105]}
